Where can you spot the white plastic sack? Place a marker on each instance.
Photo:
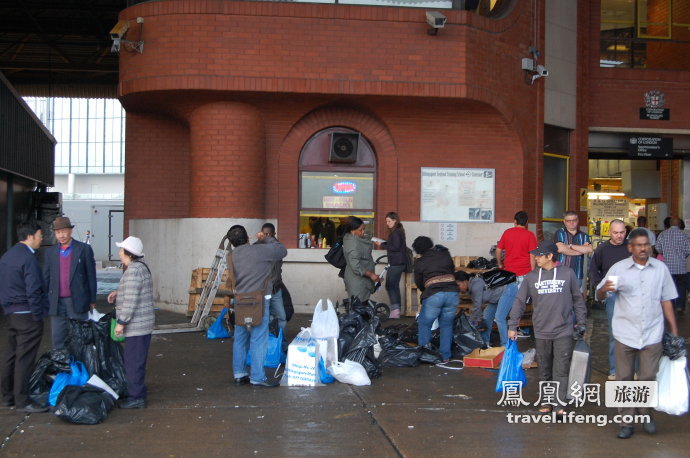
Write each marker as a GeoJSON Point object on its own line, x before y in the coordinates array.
{"type": "Point", "coordinates": [349, 372]}
{"type": "Point", "coordinates": [672, 381]}
{"type": "Point", "coordinates": [95, 315]}
{"type": "Point", "coordinates": [324, 324]}
{"type": "Point", "coordinates": [528, 357]}
{"type": "Point", "coordinates": [302, 365]}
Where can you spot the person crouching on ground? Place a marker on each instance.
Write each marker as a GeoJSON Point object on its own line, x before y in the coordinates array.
{"type": "Point", "coordinates": [480, 294]}
{"type": "Point", "coordinates": [433, 275]}
{"type": "Point", "coordinates": [253, 268]}
{"type": "Point", "coordinates": [135, 318]}
{"type": "Point", "coordinates": [555, 293]}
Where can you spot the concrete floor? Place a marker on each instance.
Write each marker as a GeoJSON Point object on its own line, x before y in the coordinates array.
{"type": "Point", "coordinates": [195, 410]}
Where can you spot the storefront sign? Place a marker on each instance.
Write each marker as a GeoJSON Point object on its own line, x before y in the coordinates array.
{"type": "Point", "coordinates": [651, 147]}
{"type": "Point", "coordinates": [457, 195]}
{"type": "Point", "coordinates": [344, 187]}
{"type": "Point", "coordinates": [654, 107]}
{"type": "Point", "coordinates": [338, 202]}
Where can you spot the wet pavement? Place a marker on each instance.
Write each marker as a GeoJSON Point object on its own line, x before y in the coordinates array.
{"type": "Point", "coordinates": [195, 410]}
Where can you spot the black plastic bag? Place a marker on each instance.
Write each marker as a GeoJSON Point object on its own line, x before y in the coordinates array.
{"type": "Point", "coordinates": [365, 338]}
{"type": "Point", "coordinates": [673, 346]}
{"type": "Point", "coordinates": [498, 277]}
{"type": "Point", "coordinates": [398, 354]}
{"type": "Point", "coordinates": [366, 309]}
{"type": "Point", "coordinates": [429, 354]}
{"type": "Point", "coordinates": [361, 349]}
{"type": "Point", "coordinates": [90, 342]}
{"type": "Point", "coordinates": [47, 367]}
{"type": "Point", "coordinates": [287, 303]}
{"type": "Point", "coordinates": [410, 334]}
{"type": "Point", "coordinates": [351, 320]}
{"type": "Point", "coordinates": [465, 337]}
{"type": "Point", "coordinates": [83, 405]}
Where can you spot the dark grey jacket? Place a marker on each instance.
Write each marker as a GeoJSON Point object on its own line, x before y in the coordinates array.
{"type": "Point", "coordinates": [357, 253]}
{"type": "Point", "coordinates": [82, 280]}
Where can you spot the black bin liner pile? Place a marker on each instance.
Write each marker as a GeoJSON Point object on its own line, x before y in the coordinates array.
{"type": "Point", "coordinates": [88, 342]}
{"type": "Point", "coordinates": [360, 331]}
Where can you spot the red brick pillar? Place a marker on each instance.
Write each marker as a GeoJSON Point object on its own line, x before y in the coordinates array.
{"type": "Point", "coordinates": [227, 161]}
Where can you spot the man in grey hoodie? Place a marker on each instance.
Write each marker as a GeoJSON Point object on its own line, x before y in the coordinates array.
{"type": "Point", "coordinates": [556, 297]}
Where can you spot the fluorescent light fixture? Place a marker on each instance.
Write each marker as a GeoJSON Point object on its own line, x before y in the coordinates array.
{"type": "Point", "coordinates": [604, 195]}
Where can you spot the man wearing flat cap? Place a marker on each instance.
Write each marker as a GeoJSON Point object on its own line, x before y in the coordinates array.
{"type": "Point", "coordinates": [70, 275]}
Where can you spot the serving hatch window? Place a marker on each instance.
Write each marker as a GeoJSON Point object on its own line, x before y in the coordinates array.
{"type": "Point", "coordinates": [332, 188]}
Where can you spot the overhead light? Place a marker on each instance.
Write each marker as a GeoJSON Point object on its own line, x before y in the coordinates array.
{"type": "Point", "coordinates": [604, 195]}
{"type": "Point", "coordinates": [618, 47]}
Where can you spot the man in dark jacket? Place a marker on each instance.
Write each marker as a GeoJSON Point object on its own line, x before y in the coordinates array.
{"type": "Point", "coordinates": [253, 269]}
{"type": "Point", "coordinates": [558, 303]}
{"type": "Point", "coordinates": [70, 274]}
{"type": "Point", "coordinates": [434, 276]}
{"type": "Point", "coordinates": [606, 255]}
{"type": "Point", "coordinates": [24, 302]}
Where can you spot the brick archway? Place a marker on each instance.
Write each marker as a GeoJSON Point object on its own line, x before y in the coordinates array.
{"type": "Point", "coordinates": [358, 119]}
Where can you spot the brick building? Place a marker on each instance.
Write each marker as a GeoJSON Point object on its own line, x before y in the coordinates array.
{"type": "Point", "coordinates": [233, 105]}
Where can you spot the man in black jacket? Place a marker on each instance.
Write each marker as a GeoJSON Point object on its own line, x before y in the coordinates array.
{"type": "Point", "coordinates": [24, 302]}
{"type": "Point", "coordinates": [70, 275]}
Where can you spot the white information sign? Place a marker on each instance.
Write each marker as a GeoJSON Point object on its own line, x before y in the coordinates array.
{"type": "Point", "coordinates": [448, 232]}
{"type": "Point", "coordinates": [457, 195]}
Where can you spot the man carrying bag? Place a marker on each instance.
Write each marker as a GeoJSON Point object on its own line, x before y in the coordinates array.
{"type": "Point", "coordinates": [252, 266]}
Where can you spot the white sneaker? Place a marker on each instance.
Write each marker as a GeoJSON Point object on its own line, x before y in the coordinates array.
{"type": "Point", "coordinates": [612, 377]}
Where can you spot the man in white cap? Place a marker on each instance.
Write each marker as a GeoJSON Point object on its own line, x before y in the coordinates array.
{"type": "Point", "coordinates": [70, 275]}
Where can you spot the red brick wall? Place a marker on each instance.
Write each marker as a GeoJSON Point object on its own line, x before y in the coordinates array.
{"type": "Point", "coordinates": [458, 99]}
{"type": "Point", "coordinates": [157, 167]}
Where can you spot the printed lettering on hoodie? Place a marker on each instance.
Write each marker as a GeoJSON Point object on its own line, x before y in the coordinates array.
{"type": "Point", "coordinates": [549, 286]}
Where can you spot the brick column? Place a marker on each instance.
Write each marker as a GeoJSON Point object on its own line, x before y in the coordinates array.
{"type": "Point", "coordinates": [227, 161]}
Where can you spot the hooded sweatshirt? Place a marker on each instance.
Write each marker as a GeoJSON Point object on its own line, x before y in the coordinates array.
{"type": "Point", "coordinates": [555, 297]}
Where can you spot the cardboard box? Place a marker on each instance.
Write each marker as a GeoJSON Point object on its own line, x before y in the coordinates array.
{"type": "Point", "coordinates": [490, 358]}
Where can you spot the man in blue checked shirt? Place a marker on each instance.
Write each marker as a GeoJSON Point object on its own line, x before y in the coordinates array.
{"type": "Point", "coordinates": [573, 245]}
{"type": "Point", "coordinates": [674, 245]}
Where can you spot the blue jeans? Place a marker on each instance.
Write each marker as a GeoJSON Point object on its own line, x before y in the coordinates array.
{"type": "Point", "coordinates": [442, 306]}
{"type": "Point", "coordinates": [505, 303]}
{"type": "Point", "coordinates": [277, 309]}
{"type": "Point", "coordinates": [610, 302]}
{"type": "Point", "coordinates": [256, 342]}
{"type": "Point", "coordinates": [489, 314]}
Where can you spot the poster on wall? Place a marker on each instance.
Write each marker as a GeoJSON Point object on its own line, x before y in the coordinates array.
{"type": "Point", "coordinates": [457, 195]}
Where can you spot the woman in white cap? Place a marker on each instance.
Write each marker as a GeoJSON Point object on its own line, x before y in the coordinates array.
{"type": "Point", "coordinates": [135, 318]}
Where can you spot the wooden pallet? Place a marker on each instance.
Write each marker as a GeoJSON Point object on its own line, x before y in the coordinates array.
{"type": "Point", "coordinates": [199, 277]}
{"type": "Point", "coordinates": [413, 303]}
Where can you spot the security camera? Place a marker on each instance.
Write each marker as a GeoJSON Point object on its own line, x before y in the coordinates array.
{"type": "Point", "coordinates": [435, 19]}
{"type": "Point", "coordinates": [542, 71]}
{"type": "Point", "coordinates": [119, 30]}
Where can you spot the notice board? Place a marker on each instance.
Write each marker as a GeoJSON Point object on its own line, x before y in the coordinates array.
{"type": "Point", "coordinates": [458, 195]}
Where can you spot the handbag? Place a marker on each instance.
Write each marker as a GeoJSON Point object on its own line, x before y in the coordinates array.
{"type": "Point", "coordinates": [113, 323]}
{"type": "Point", "coordinates": [249, 307]}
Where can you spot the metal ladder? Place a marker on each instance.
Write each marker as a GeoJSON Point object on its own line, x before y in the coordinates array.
{"type": "Point", "coordinates": [208, 294]}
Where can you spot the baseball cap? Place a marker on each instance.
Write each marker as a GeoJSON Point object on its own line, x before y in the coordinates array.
{"type": "Point", "coordinates": [545, 247]}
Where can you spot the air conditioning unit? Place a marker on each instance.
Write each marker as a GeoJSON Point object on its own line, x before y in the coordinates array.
{"type": "Point", "coordinates": [343, 147]}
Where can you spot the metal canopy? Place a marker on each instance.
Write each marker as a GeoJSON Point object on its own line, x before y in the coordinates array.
{"type": "Point", "coordinates": [59, 48]}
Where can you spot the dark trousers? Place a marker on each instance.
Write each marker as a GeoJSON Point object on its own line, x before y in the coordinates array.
{"type": "Point", "coordinates": [59, 323]}
{"type": "Point", "coordinates": [23, 339]}
{"type": "Point", "coordinates": [393, 285]}
{"type": "Point", "coordinates": [553, 358]}
{"type": "Point", "coordinates": [647, 367]}
{"type": "Point", "coordinates": [681, 282]}
{"type": "Point", "coordinates": [136, 352]}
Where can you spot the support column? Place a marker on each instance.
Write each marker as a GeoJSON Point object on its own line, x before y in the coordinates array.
{"type": "Point", "coordinates": [227, 161]}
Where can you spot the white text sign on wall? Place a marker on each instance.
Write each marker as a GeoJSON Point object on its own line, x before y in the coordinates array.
{"type": "Point", "coordinates": [457, 195]}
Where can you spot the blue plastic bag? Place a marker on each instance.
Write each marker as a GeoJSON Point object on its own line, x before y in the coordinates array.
{"type": "Point", "coordinates": [323, 374]}
{"type": "Point", "coordinates": [511, 367]}
{"type": "Point", "coordinates": [274, 353]}
{"type": "Point", "coordinates": [78, 376]}
{"type": "Point", "coordinates": [217, 330]}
